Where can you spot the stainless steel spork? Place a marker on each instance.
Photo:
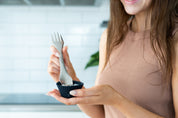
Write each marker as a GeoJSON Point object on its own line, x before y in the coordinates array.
{"type": "Point", "coordinates": [65, 78]}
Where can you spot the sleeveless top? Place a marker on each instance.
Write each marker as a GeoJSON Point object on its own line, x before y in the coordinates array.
{"type": "Point", "coordinates": [133, 71]}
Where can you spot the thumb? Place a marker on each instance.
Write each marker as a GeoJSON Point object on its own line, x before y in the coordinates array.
{"type": "Point", "coordinates": [55, 95]}
{"type": "Point", "coordinates": [66, 56]}
{"type": "Point", "coordinates": [54, 51]}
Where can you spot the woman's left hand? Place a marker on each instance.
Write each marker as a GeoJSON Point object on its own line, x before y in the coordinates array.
{"type": "Point", "coordinates": [102, 94]}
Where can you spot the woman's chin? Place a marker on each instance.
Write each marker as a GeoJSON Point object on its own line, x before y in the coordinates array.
{"type": "Point", "coordinates": [131, 11]}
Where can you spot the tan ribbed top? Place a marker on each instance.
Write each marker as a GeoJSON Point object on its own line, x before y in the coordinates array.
{"type": "Point", "coordinates": [132, 71]}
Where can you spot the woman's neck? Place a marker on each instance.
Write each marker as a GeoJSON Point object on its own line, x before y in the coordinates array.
{"type": "Point", "coordinates": [141, 22]}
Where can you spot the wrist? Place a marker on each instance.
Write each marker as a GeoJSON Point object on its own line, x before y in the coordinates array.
{"type": "Point", "coordinates": [118, 100]}
{"type": "Point", "coordinates": [75, 78]}
{"type": "Point", "coordinates": [56, 79]}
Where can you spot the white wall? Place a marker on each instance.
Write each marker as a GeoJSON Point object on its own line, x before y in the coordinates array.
{"type": "Point", "coordinates": [25, 41]}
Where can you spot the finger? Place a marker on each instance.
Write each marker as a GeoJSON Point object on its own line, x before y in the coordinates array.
{"type": "Point", "coordinates": [54, 51]}
{"type": "Point", "coordinates": [66, 56]}
{"type": "Point", "coordinates": [85, 100]}
{"type": "Point", "coordinates": [65, 51]}
{"type": "Point", "coordinates": [85, 92]}
{"type": "Point", "coordinates": [53, 70]}
{"type": "Point", "coordinates": [52, 64]}
{"type": "Point", "coordinates": [54, 59]}
{"type": "Point", "coordinates": [55, 94]}
{"type": "Point", "coordinates": [57, 91]}
{"type": "Point", "coordinates": [50, 92]}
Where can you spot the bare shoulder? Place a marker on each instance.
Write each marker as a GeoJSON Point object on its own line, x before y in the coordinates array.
{"type": "Point", "coordinates": [102, 53]}
{"type": "Point", "coordinates": [175, 76]}
{"type": "Point", "coordinates": [176, 36]}
{"type": "Point", "coordinates": [175, 64]}
{"type": "Point", "coordinates": [103, 39]}
{"type": "Point", "coordinates": [176, 54]}
{"type": "Point", "coordinates": [176, 40]}
{"type": "Point", "coordinates": [102, 47]}
{"type": "Point", "coordinates": [176, 43]}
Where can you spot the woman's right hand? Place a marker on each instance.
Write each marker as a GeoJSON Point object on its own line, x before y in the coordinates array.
{"type": "Point", "coordinates": [54, 65]}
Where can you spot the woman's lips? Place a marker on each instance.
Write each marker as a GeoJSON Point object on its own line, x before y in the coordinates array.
{"type": "Point", "coordinates": [130, 1]}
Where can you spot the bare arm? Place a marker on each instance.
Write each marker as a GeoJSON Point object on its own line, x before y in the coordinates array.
{"type": "Point", "coordinates": [97, 111]}
{"type": "Point", "coordinates": [102, 53]}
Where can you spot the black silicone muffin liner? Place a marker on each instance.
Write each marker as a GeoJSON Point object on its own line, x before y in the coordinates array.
{"type": "Point", "coordinates": [64, 90]}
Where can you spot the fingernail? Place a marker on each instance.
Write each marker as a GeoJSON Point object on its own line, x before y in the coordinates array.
{"type": "Point", "coordinates": [57, 55]}
{"type": "Point", "coordinates": [73, 92]}
{"type": "Point", "coordinates": [51, 95]}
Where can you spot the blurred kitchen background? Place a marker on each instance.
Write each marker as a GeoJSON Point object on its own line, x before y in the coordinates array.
{"type": "Point", "coordinates": [25, 38]}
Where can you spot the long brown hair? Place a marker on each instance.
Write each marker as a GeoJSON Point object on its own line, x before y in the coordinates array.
{"type": "Point", "coordinates": [163, 17]}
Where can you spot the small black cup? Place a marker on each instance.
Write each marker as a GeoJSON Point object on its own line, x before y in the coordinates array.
{"type": "Point", "coordinates": [64, 90]}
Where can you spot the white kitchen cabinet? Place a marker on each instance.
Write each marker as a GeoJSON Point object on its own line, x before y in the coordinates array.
{"type": "Point", "coordinates": [42, 115]}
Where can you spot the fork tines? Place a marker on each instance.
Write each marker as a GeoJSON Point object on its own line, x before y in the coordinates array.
{"type": "Point", "coordinates": [57, 38]}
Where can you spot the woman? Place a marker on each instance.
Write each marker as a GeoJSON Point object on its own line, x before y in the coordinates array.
{"type": "Point", "coordinates": [138, 65]}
